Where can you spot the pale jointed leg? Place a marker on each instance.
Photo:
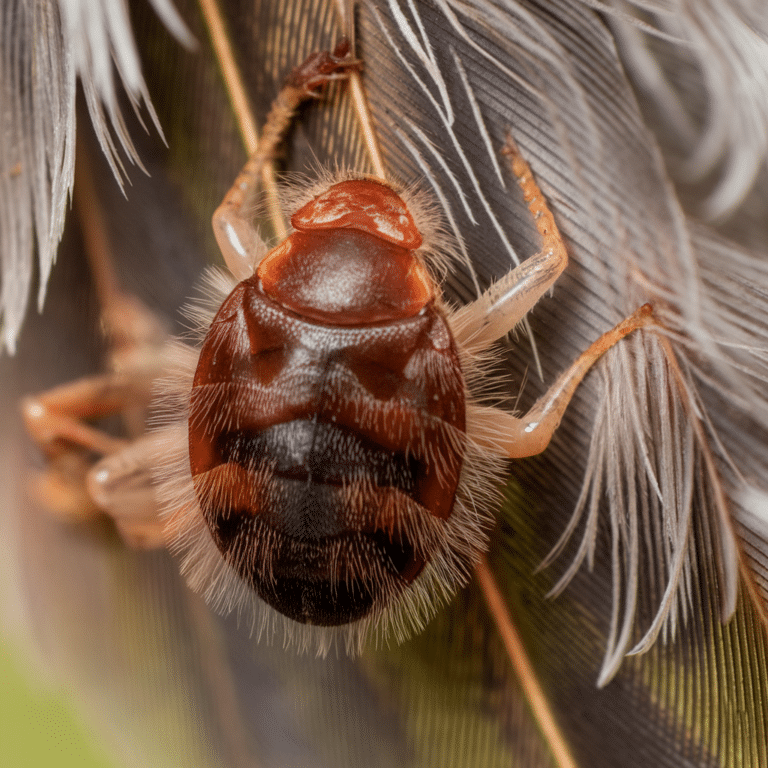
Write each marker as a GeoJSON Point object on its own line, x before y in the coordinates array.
{"type": "Point", "coordinates": [121, 485]}
{"type": "Point", "coordinates": [238, 240]}
{"type": "Point", "coordinates": [57, 419]}
{"type": "Point", "coordinates": [518, 437]}
{"type": "Point", "coordinates": [54, 419]}
{"type": "Point", "coordinates": [507, 302]}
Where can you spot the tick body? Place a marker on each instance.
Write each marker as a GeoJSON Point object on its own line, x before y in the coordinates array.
{"type": "Point", "coordinates": [324, 450]}
{"type": "Point", "coordinates": [328, 411]}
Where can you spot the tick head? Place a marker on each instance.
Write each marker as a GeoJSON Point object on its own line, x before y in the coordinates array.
{"type": "Point", "coordinates": [361, 204]}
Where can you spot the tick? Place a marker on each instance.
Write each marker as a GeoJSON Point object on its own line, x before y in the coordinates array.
{"type": "Point", "coordinates": [325, 448]}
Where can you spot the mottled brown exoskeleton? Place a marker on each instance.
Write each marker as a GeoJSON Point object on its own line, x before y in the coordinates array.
{"type": "Point", "coordinates": [327, 411]}
{"type": "Point", "coordinates": [323, 448]}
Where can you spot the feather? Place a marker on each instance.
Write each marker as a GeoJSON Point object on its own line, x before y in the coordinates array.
{"type": "Point", "coordinates": [46, 45]}
{"type": "Point", "coordinates": [651, 496]}
{"type": "Point", "coordinates": [716, 121]}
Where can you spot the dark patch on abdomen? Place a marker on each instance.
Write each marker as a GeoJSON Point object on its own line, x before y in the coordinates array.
{"type": "Point", "coordinates": [311, 461]}
{"type": "Point", "coordinates": [298, 582]}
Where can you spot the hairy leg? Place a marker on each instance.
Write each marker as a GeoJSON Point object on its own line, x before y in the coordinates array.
{"type": "Point", "coordinates": [239, 242]}
{"type": "Point", "coordinates": [477, 325]}
{"type": "Point", "coordinates": [518, 437]}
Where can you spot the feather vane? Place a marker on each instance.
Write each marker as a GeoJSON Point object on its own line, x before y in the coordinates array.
{"type": "Point", "coordinates": [46, 45]}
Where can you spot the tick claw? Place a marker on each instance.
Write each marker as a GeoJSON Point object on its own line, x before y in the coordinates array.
{"type": "Point", "coordinates": [322, 67]}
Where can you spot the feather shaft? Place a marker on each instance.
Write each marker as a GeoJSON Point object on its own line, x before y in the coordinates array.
{"type": "Point", "coordinates": [524, 670]}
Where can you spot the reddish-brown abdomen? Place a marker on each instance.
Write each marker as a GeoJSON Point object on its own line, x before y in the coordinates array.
{"type": "Point", "coordinates": [323, 455]}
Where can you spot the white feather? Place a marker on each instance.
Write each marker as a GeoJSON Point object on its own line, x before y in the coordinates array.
{"type": "Point", "coordinates": [654, 474]}
{"type": "Point", "coordinates": [44, 46]}
{"type": "Point", "coordinates": [727, 42]}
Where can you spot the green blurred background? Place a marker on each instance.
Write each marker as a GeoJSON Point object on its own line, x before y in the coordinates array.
{"type": "Point", "coordinates": [39, 727]}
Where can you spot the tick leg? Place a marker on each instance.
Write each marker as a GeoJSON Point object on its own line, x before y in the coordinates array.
{"type": "Point", "coordinates": [61, 488]}
{"type": "Point", "coordinates": [121, 485]}
{"type": "Point", "coordinates": [506, 303]}
{"type": "Point", "coordinates": [516, 437]}
{"type": "Point", "coordinates": [54, 419]}
{"type": "Point", "coordinates": [238, 240]}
